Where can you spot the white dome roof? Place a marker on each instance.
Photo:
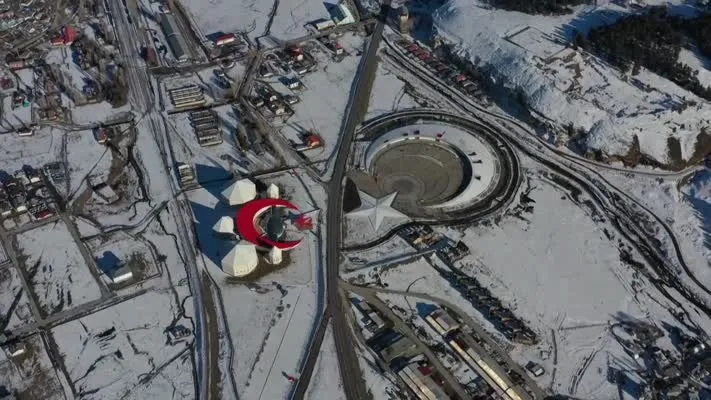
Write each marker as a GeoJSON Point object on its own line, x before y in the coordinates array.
{"type": "Point", "coordinates": [274, 256]}
{"type": "Point", "coordinates": [240, 192]}
{"type": "Point", "coordinates": [241, 260]}
{"type": "Point", "coordinates": [224, 225]}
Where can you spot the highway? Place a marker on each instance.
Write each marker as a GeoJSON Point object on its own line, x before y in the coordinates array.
{"type": "Point", "coordinates": [351, 376]}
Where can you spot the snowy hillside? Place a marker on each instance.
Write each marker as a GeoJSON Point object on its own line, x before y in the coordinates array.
{"type": "Point", "coordinates": [528, 55]}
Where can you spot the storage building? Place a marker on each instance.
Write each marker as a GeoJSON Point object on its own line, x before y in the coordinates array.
{"type": "Point", "coordinates": [173, 36]}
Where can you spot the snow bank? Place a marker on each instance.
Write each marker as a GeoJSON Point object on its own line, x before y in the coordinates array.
{"type": "Point", "coordinates": [573, 88]}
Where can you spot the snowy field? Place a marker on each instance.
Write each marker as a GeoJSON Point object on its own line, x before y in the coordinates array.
{"type": "Point", "coordinates": [175, 378]}
{"type": "Point", "coordinates": [380, 384]}
{"type": "Point", "coordinates": [59, 277]}
{"type": "Point", "coordinates": [15, 309]}
{"type": "Point", "coordinates": [389, 94]}
{"type": "Point", "coordinates": [569, 87]}
{"type": "Point", "coordinates": [43, 147]}
{"type": "Point", "coordinates": [293, 16]}
{"type": "Point", "coordinates": [96, 113]}
{"type": "Point", "coordinates": [253, 17]}
{"type": "Point", "coordinates": [87, 159]}
{"type": "Point", "coordinates": [211, 17]}
{"type": "Point", "coordinates": [556, 268]}
{"type": "Point", "coordinates": [271, 326]}
{"type": "Point", "coordinates": [31, 374]}
{"type": "Point", "coordinates": [686, 209]}
{"type": "Point", "coordinates": [108, 353]}
{"type": "Point", "coordinates": [326, 379]}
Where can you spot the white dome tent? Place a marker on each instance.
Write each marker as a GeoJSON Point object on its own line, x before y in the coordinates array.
{"type": "Point", "coordinates": [225, 227]}
{"type": "Point", "coordinates": [274, 256]}
{"type": "Point", "coordinates": [240, 192]}
{"type": "Point", "coordinates": [241, 260]}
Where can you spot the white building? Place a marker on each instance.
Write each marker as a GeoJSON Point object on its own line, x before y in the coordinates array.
{"type": "Point", "coordinates": [343, 14]}
{"type": "Point", "coordinates": [441, 322]}
{"type": "Point", "coordinates": [121, 274]}
{"type": "Point", "coordinates": [225, 227]}
{"type": "Point", "coordinates": [240, 192]}
{"type": "Point", "coordinates": [273, 191]}
{"type": "Point", "coordinates": [241, 260]}
{"type": "Point", "coordinates": [274, 256]}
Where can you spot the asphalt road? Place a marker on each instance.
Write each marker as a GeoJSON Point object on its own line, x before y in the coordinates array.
{"type": "Point", "coordinates": [351, 375]}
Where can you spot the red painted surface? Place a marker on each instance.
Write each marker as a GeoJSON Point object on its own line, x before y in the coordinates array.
{"type": "Point", "coordinates": [246, 223]}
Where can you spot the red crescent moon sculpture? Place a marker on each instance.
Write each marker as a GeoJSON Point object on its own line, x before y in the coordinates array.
{"type": "Point", "coordinates": [246, 222]}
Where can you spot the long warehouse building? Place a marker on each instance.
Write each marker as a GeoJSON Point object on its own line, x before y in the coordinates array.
{"type": "Point", "coordinates": [176, 42]}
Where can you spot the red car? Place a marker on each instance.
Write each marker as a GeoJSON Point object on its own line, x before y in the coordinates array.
{"type": "Point", "coordinates": [413, 47]}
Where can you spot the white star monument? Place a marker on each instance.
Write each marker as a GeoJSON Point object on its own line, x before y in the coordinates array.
{"type": "Point", "coordinates": [376, 209]}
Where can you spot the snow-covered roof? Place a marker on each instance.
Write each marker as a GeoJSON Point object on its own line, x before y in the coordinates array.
{"type": "Point", "coordinates": [240, 192]}
{"type": "Point", "coordinates": [224, 225]}
{"type": "Point", "coordinates": [273, 191]}
{"type": "Point", "coordinates": [274, 256]}
{"type": "Point", "coordinates": [121, 274]}
{"type": "Point", "coordinates": [241, 260]}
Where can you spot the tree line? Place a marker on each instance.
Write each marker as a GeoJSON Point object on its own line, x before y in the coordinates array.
{"type": "Point", "coordinates": [654, 41]}
{"type": "Point", "coordinates": [556, 7]}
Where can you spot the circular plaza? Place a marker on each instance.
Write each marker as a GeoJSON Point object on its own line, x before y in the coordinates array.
{"type": "Point", "coordinates": [439, 166]}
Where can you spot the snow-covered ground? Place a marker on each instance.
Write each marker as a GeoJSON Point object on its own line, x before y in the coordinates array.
{"type": "Point", "coordinates": [175, 378]}
{"type": "Point", "coordinates": [269, 327]}
{"type": "Point", "coordinates": [87, 159]}
{"type": "Point", "coordinates": [381, 385]}
{"type": "Point", "coordinates": [75, 79]}
{"type": "Point", "coordinates": [36, 150]}
{"type": "Point", "coordinates": [326, 379]}
{"type": "Point", "coordinates": [211, 17]}
{"type": "Point", "coordinates": [253, 17]}
{"type": "Point", "coordinates": [389, 94]}
{"type": "Point", "coordinates": [107, 352]}
{"type": "Point", "coordinates": [21, 116]}
{"type": "Point", "coordinates": [59, 277]}
{"type": "Point", "coordinates": [14, 306]}
{"type": "Point", "coordinates": [96, 113]}
{"type": "Point", "coordinates": [31, 375]}
{"type": "Point", "coordinates": [569, 87]}
{"type": "Point", "coordinates": [293, 16]}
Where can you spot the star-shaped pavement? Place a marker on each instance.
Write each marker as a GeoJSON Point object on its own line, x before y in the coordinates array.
{"type": "Point", "coordinates": [376, 209]}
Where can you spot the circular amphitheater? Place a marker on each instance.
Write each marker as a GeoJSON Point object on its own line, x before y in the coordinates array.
{"type": "Point", "coordinates": [441, 167]}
